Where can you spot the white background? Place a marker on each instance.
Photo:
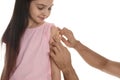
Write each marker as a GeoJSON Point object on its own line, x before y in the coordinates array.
{"type": "Point", "coordinates": [94, 22]}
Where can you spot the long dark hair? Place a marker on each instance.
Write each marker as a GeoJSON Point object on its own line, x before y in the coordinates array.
{"type": "Point", "coordinates": [12, 36]}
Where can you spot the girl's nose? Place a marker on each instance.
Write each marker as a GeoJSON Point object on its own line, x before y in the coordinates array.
{"type": "Point", "coordinates": [45, 13]}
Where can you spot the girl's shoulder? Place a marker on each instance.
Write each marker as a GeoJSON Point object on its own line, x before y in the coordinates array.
{"type": "Point", "coordinates": [53, 28]}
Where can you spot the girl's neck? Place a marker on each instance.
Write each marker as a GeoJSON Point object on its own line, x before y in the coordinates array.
{"type": "Point", "coordinates": [34, 25]}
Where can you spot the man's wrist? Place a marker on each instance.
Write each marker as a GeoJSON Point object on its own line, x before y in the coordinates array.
{"type": "Point", "coordinates": [70, 74]}
{"type": "Point", "coordinates": [76, 44]}
{"type": "Point", "coordinates": [68, 69]}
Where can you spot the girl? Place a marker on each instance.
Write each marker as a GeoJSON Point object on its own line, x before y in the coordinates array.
{"type": "Point", "coordinates": [27, 39]}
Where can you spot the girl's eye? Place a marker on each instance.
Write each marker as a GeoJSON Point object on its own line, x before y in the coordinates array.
{"type": "Point", "coordinates": [40, 8]}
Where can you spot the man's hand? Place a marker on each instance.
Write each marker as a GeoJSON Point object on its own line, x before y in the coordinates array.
{"type": "Point", "coordinates": [71, 41]}
{"type": "Point", "coordinates": [60, 55]}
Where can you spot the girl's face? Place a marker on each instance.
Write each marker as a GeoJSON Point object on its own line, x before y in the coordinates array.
{"type": "Point", "coordinates": [39, 10]}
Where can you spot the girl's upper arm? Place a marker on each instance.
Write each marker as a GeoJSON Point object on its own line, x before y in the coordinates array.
{"type": "Point", "coordinates": [56, 75]}
{"type": "Point", "coordinates": [55, 72]}
{"type": "Point", "coordinates": [55, 34]}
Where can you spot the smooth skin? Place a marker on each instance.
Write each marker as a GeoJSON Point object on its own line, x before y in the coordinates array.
{"type": "Point", "coordinates": [39, 11]}
{"type": "Point", "coordinates": [90, 56]}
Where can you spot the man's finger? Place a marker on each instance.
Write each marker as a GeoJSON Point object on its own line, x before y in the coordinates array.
{"type": "Point", "coordinates": [57, 45]}
{"type": "Point", "coordinates": [58, 28]}
{"type": "Point", "coordinates": [64, 31]}
{"type": "Point", "coordinates": [55, 50]}
{"type": "Point", "coordinates": [65, 41]}
{"type": "Point", "coordinates": [52, 54]}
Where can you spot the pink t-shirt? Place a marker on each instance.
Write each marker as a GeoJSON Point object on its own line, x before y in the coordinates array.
{"type": "Point", "coordinates": [33, 60]}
